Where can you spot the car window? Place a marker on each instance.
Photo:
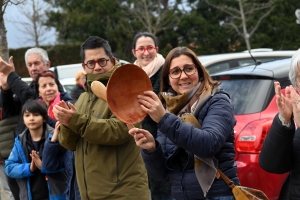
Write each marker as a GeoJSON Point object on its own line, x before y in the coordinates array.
{"type": "Point", "coordinates": [67, 72]}
{"type": "Point", "coordinates": [245, 62]}
{"type": "Point", "coordinates": [226, 64]}
{"type": "Point", "coordinates": [218, 67]}
{"type": "Point", "coordinates": [250, 61]}
{"type": "Point", "coordinates": [69, 88]}
{"type": "Point", "coordinates": [248, 95]}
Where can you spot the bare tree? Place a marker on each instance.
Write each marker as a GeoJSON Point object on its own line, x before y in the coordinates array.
{"type": "Point", "coordinates": [3, 39]}
{"type": "Point", "coordinates": [33, 23]}
{"type": "Point", "coordinates": [247, 12]}
{"type": "Point", "coordinates": [154, 15]}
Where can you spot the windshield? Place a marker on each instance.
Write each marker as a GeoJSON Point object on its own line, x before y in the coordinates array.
{"type": "Point", "coordinates": [249, 95]}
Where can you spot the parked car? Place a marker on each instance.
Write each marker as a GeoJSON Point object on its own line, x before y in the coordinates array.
{"type": "Point", "coordinates": [252, 92]}
{"type": "Point", "coordinates": [68, 84]}
{"type": "Point", "coordinates": [220, 62]}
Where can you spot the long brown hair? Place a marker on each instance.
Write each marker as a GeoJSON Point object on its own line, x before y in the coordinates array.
{"type": "Point", "coordinates": [175, 53]}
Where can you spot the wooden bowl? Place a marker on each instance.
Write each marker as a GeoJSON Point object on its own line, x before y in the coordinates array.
{"type": "Point", "coordinates": [125, 84]}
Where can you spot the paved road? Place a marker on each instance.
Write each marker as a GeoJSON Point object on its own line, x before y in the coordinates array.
{"type": "Point", "coordinates": [2, 194]}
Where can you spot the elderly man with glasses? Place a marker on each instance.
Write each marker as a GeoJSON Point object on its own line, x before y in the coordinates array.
{"type": "Point", "coordinates": [107, 162]}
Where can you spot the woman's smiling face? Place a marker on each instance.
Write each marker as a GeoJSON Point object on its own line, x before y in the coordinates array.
{"type": "Point", "coordinates": [146, 57]}
{"type": "Point", "coordinates": [184, 83]}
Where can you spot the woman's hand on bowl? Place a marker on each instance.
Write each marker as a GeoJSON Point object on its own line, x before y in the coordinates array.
{"type": "Point", "coordinates": [151, 104]}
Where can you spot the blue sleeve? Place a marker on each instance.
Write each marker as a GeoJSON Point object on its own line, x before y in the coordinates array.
{"type": "Point", "coordinates": [52, 157]}
{"type": "Point", "coordinates": [217, 120]}
{"type": "Point", "coordinates": [51, 122]}
{"type": "Point", "coordinates": [15, 168]}
{"type": "Point", "coordinates": [155, 163]}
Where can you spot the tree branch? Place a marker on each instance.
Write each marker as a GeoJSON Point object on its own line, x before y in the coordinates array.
{"type": "Point", "coordinates": [229, 10]}
{"type": "Point", "coordinates": [259, 21]}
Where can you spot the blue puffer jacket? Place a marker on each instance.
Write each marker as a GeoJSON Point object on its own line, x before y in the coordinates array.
{"type": "Point", "coordinates": [18, 166]}
{"type": "Point", "coordinates": [57, 157]}
{"type": "Point", "coordinates": [214, 139]}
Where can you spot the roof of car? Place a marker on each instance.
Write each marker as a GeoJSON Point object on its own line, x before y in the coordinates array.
{"type": "Point", "coordinates": [274, 69]}
{"type": "Point", "coordinates": [208, 59]}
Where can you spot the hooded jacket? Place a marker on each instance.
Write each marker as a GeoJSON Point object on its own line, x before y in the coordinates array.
{"type": "Point", "coordinates": [32, 184]}
{"type": "Point", "coordinates": [108, 162]}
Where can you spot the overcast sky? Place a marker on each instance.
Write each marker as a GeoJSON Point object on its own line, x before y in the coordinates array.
{"type": "Point", "coordinates": [14, 35]}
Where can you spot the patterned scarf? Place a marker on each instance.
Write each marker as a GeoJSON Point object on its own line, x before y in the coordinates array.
{"type": "Point", "coordinates": [187, 106]}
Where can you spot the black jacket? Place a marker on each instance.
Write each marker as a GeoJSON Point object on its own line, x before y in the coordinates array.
{"type": "Point", "coordinates": [281, 153]}
{"type": "Point", "coordinates": [148, 123]}
{"type": "Point", "coordinates": [7, 133]}
{"type": "Point", "coordinates": [76, 92]}
{"type": "Point", "coordinates": [19, 92]}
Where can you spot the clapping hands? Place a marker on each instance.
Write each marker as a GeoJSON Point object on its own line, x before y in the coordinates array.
{"type": "Point", "coordinates": [63, 112]}
{"type": "Point", "coordinates": [288, 104]}
{"type": "Point", "coordinates": [36, 162]}
{"type": "Point", "coordinates": [56, 132]}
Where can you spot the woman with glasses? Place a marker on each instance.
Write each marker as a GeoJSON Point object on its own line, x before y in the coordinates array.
{"type": "Point", "coordinates": [145, 50]}
{"type": "Point", "coordinates": [195, 131]}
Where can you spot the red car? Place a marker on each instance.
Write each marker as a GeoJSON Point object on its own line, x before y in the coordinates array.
{"type": "Point", "coordinates": [252, 92]}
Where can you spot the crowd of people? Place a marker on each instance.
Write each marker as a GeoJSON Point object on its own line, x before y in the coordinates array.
{"type": "Point", "coordinates": [56, 145]}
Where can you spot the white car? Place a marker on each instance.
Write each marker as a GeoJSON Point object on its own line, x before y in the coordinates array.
{"type": "Point", "coordinates": [69, 71]}
{"type": "Point", "coordinates": [221, 62]}
{"type": "Point", "coordinates": [66, 73]}
{"type": "Point", "coordinates": [27, 79]}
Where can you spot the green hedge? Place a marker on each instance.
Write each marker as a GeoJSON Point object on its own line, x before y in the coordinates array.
{"type": "Point", "coordinates": [58, 55]}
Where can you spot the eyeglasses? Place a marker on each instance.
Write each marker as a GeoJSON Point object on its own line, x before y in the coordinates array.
{"type": "Point", "coordinates": [150, 49]}
{"type": "Point", "coordinates": [91, 63]}
{"type": "Point", "coordinates": [188, 69]}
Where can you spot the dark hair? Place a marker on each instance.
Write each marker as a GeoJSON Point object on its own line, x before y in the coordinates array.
{"type": "Point", "coordinates": [174, 53]}
{"type": "Point", "coordinates": [94, 42]}
{"type": "Point", "coordinates": [36, 106]}
{"type": "Point", "coordinates": [46, 73]}
{"type": "Point", "coordinates": [145, 34]}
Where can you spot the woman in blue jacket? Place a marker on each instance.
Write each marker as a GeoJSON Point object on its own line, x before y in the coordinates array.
{"type": "Point", "coordinates": [195, 132]}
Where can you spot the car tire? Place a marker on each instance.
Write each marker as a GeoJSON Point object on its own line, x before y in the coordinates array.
{"type": "Point", "coordinates": [284, 193]}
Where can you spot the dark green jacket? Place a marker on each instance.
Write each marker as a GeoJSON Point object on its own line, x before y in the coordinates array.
{"type": "Point", "coordinates": [108, 162]}
{"type": "Point", "coordinates": [7, 135]}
